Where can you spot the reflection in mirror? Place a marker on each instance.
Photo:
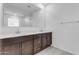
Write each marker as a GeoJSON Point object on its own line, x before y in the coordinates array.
{"type": "Point", "coordinates": [13, 21]}
{"type": "Point", "coordinates": [25, 21]}
{"type": "Point", "coordinates": [18, 14]}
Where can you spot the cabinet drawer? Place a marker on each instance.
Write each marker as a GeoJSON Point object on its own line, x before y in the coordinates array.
{"type": "Point", "coordinates": [43, 35]}
{"type": "Point", "coordinates": [25, 38]}
{"type": "Point", "coordinates": [9, 41]}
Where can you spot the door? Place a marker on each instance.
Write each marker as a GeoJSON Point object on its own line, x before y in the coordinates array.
{"type": "Point", "coordinates": [27, 45]}
{"type": "Point", "coordinates": [37, 43]}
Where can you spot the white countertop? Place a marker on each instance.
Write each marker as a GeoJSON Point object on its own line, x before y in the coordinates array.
{"type": "Point", "coordinates": [2, 36]}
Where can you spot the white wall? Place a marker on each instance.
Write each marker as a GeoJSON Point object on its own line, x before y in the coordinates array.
{"type": "Point", "coordinates": [1, 9]}
{"type": "Point", "coordinates": [66, 36]}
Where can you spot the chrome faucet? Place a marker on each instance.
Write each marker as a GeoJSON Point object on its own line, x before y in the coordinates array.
{"type": "Point", "coordinates": [41, 30]}
{"type": "Point", "coordinates": [18, 31]}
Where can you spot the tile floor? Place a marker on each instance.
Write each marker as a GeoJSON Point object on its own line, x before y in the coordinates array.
{"type": "Point", "coordinates": [53, 51]}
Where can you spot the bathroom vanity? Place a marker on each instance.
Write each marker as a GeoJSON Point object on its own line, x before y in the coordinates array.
{"type": "Point", "coordinates": [26, 44]}
{"type": "Point", "coordinates": [20, 19]}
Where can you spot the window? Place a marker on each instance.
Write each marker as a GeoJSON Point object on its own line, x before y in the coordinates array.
{"type": "Point", "coordinates": [13, 21]}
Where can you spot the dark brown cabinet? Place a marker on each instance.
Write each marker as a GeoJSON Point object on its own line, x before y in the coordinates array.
{"type": "Point", "coordinates": [49, 37]}
{"type": "Point", "coordinates": [44, 41]}
{"type": "Point", "coordinates": [26, 45]}
{"type": "Point", "coordinates": [12, 49]}
{"type": "Point", "coordinates": [37, 43]}
{"type": "Point", "coordinates": [11, 46]}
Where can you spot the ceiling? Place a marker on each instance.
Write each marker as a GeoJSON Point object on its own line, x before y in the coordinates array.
{"type": "Point", "coordinates": [23, 8]}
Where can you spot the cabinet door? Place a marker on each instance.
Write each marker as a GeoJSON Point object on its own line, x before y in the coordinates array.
{"type": "Point", "coordinates": [44, 41]}
{"type": "Point", "coordinates": [10, 46]}
{"type": "Point", "coordinates": [37, 43]}
{"type": "Point", "coordinates": [0, 46]}
{"type": "Point", "coordinates": [49, 39]}
{"type": "Point", "coordinates": [12, 49]}
{"type": "Point", "coordinates": [27, 45]}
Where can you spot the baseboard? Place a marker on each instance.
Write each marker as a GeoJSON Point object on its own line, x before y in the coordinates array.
{"type": "Point", "coordinates": [64, 50]}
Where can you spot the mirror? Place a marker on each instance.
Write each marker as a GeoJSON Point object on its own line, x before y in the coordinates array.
{"type": "Point", "coordinates": [19, 14]}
